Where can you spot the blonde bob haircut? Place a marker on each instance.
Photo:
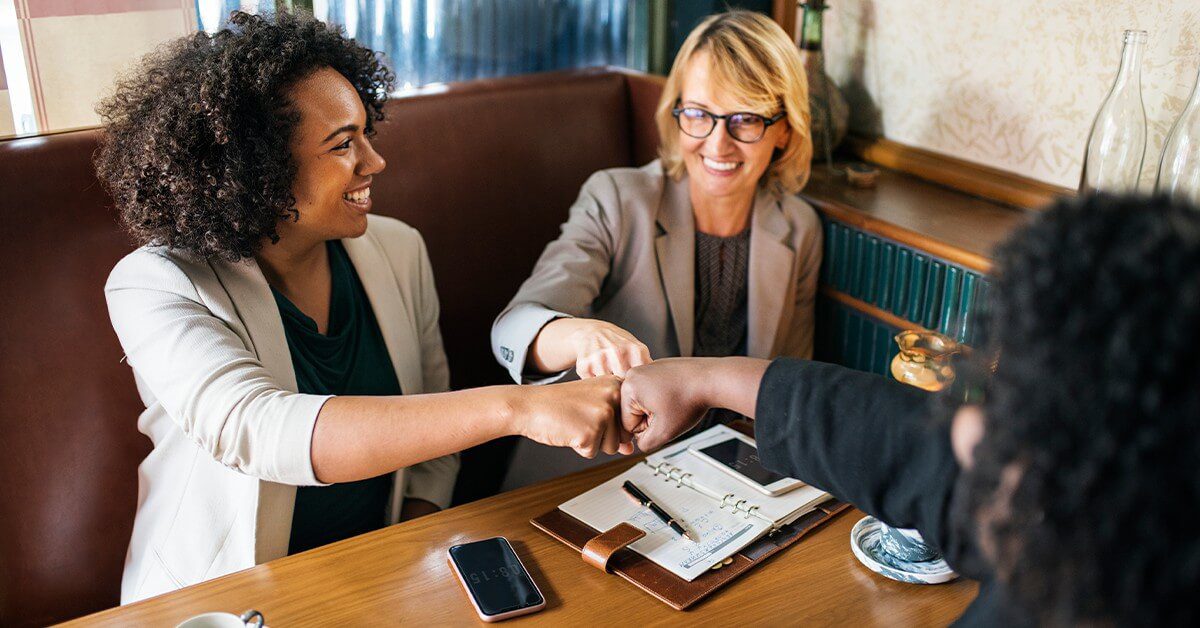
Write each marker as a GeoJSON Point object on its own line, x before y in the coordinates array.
{"type": "Point", "coordinates": [758, 67]}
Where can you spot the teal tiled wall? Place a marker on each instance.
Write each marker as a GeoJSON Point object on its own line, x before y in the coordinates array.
{"type": "Point", "coordinates": [911, 284]}
{"type": "Point", "coordinates": [850, 338]}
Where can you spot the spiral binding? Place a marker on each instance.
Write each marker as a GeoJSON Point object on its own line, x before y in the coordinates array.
{"type": "Point", "coordinates": [671, 472]}
{"type": "Point", "coordinates": [679, 476]}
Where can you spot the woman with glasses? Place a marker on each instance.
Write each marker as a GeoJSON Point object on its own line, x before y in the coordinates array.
{"type": "Point", "coordinates": [704, 252]}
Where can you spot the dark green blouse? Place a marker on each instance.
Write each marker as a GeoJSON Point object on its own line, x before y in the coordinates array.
{"type": "Point", "coordinates": [351, 359]}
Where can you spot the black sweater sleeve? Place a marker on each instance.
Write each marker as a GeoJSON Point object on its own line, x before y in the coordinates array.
{"type": "Point", "coordinates": [863, 438]}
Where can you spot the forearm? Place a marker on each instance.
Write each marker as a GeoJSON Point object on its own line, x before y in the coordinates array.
{"type": "Point", "coordinates": [732, 383]}
{"type": "Point", "coordinates": [552, 350]}
{"type": "Point", "coordinates": [865, 439]}
{"type": "Point", "coordinates": [362, 437]}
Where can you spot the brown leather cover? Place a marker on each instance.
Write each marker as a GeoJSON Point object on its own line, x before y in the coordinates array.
{"type": "Point", "coordinates": [486, 170]}
{"type": "Point", "coordinates": [666, 586]}
{"type": "Point", "coordinates": [598, 551]}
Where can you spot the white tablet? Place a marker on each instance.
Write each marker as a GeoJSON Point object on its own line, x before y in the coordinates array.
{"type": "Point", "coordinates": [737, 455]}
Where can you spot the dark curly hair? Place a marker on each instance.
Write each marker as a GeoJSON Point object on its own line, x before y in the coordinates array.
{"type": "Point", "coordinates": [195, 152]}
{"type": "Point", "coordinates": [1095, 318]}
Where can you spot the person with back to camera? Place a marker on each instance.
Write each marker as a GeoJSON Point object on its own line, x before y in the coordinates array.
{"type": "Point", "coordinates": [1070, 492]}
{"type": "Point", "coordinates": [284, 341]}
{"type": "Point", "coordinates": [704, 252]}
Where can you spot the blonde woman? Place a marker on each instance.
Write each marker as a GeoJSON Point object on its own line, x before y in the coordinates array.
{"type": "Point", "coordinates": [704, 252]}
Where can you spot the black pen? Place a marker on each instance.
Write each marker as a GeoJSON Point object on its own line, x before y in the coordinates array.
{"type": "Point", "coordinates": [641, 498]}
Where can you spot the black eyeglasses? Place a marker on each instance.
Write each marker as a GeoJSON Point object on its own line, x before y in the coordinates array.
{"type": "Point", "coordinates": [742, 126]}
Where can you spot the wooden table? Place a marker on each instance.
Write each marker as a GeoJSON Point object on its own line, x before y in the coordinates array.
{"type": "Point", "coordinates": [399, 575]}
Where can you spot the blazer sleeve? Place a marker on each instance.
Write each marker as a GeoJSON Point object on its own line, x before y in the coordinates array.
{"type": "Point", "coordinates": [809, 249]}
{"type": "Point", "coordinates": [861, 437]}
{"type": "Point", "coordinates": [566, 279]}
{"type": "Point", "coordinates": [432, 480]}
{"type": "Point", "coordinates": [204, 376]}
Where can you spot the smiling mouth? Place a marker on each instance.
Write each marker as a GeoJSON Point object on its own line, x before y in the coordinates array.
{"type": "Point", "coordinates": [721, 166]}
{"type": "Point", "coordinates": [361, 198]}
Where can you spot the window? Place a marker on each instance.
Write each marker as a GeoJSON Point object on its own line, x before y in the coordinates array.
{"type": "Point", "coordinates": [438, 41]}
{"type": "Point", "coordinates": [58, 58]}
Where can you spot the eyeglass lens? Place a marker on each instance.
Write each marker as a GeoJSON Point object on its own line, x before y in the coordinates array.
{"type": "Point", "coordinates": [744, 127]}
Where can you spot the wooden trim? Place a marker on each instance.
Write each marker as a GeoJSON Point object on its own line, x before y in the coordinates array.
{"type": "Point", "coordinates": [31, 65]}
{"type": "Point", "coordinates": [863, 307]}
{"type": "Point", "coordinates": [915, 239]}
{"type": "Point", "coordinates": [784, 13]}
{"type": "Point", "coordinates": [979, 180]}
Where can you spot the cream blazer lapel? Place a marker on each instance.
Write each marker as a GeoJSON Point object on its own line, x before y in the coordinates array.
{"type": "Point", "coordinates": [255, 305]}
{"type": "Point", "coordinates": [397, 326]}
{"type": "Point", "coordinates": [383, 291]}
{"type": "Point", "coordinates": [675, 247]}
{"type": "Point", "coordinates": [771, 282]}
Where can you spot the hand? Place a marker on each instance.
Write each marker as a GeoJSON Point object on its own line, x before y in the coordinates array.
{"type": "Point", "coordinates": [662, 400]}
{"type": "Point", "coordinates": [602, 348]}
{"type": "Point", "coordinates": [582, 415]}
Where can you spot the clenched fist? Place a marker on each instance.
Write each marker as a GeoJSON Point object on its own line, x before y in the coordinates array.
{"type": "Point", "coordinates": [583, 415]}
{"type": "Point", "coordinates": [666, 398]}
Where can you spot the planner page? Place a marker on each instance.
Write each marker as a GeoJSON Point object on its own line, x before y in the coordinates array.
{"type": "Point", "coordinates": [721, 533]}
{"type": "Point", "coordinates": [717, 483]}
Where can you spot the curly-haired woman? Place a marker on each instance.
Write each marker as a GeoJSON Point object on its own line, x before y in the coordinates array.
{"type": "Point", "coordinates": [280, 336]}
{"type": "Point", "coordinates": [1070, 492]}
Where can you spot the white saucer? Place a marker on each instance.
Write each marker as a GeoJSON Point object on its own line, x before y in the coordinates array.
{"type": "Point", "coordinates": [865, 543]}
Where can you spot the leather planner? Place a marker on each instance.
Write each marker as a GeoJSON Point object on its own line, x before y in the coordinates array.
{"type": "Point", "coordinates": [607, 552]}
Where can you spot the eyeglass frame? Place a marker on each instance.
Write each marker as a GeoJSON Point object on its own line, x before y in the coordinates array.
{"type": "Point", "coordinates": [716, 118]}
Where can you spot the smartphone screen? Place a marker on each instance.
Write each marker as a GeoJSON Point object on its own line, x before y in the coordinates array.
{"type": "Point", "coordinates": [743, 458]}
{"type": "Point", "coordinates": [494, 576]}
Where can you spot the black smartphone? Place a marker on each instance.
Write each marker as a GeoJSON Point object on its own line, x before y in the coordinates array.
{"type": "Point", "coordinates": [737, 455]}
{"type": "Point", "coordinates": [495, 579]}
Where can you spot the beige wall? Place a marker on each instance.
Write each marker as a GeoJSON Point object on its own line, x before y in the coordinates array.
{"type": "Point", "coordinates": [79, 56]}
{"type": "Point", "coordinates": [74, 50]}
{"type": "Point", "coordinates": [6, 119]}
{"type": "Point", "coordinates": [1013, 84]}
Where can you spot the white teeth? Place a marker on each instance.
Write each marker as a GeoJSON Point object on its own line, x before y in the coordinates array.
{"type": "Point", "coordinates": [721, 165]}
{"type": "Point", "coordinates": [359, 196]}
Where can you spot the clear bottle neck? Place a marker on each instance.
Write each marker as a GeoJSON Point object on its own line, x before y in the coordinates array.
{"type": "Point", "coordinates": [1130, 74]}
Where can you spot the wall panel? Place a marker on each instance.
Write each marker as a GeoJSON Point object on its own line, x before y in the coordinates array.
{"type": "Point", "coordinates": [921, 289]}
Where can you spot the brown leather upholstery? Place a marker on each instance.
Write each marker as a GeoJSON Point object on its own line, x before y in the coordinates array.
{"type": "Point", "coordinates": [485, 170]}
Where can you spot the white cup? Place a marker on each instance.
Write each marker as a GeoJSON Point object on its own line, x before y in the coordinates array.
{"type": "Point", "coordinates": [224, 620]}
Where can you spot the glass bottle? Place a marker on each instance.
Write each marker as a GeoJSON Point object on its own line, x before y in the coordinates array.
{"type": "Point", "coordinates": [1116, 146]}
{"type": "Point", "coordinates": [1179, 170]}
{"type": "Point", "coordinates": [829, 112]}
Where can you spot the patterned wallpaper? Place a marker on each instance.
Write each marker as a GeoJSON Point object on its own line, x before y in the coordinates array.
{"type": "Point", "coordinates": [1012, 84]}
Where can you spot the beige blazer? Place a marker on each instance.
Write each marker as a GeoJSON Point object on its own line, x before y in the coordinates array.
{"type": "Point", "coordinates": [627, 256]}
{"type": "Point", "coordinates": [231, 435]}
